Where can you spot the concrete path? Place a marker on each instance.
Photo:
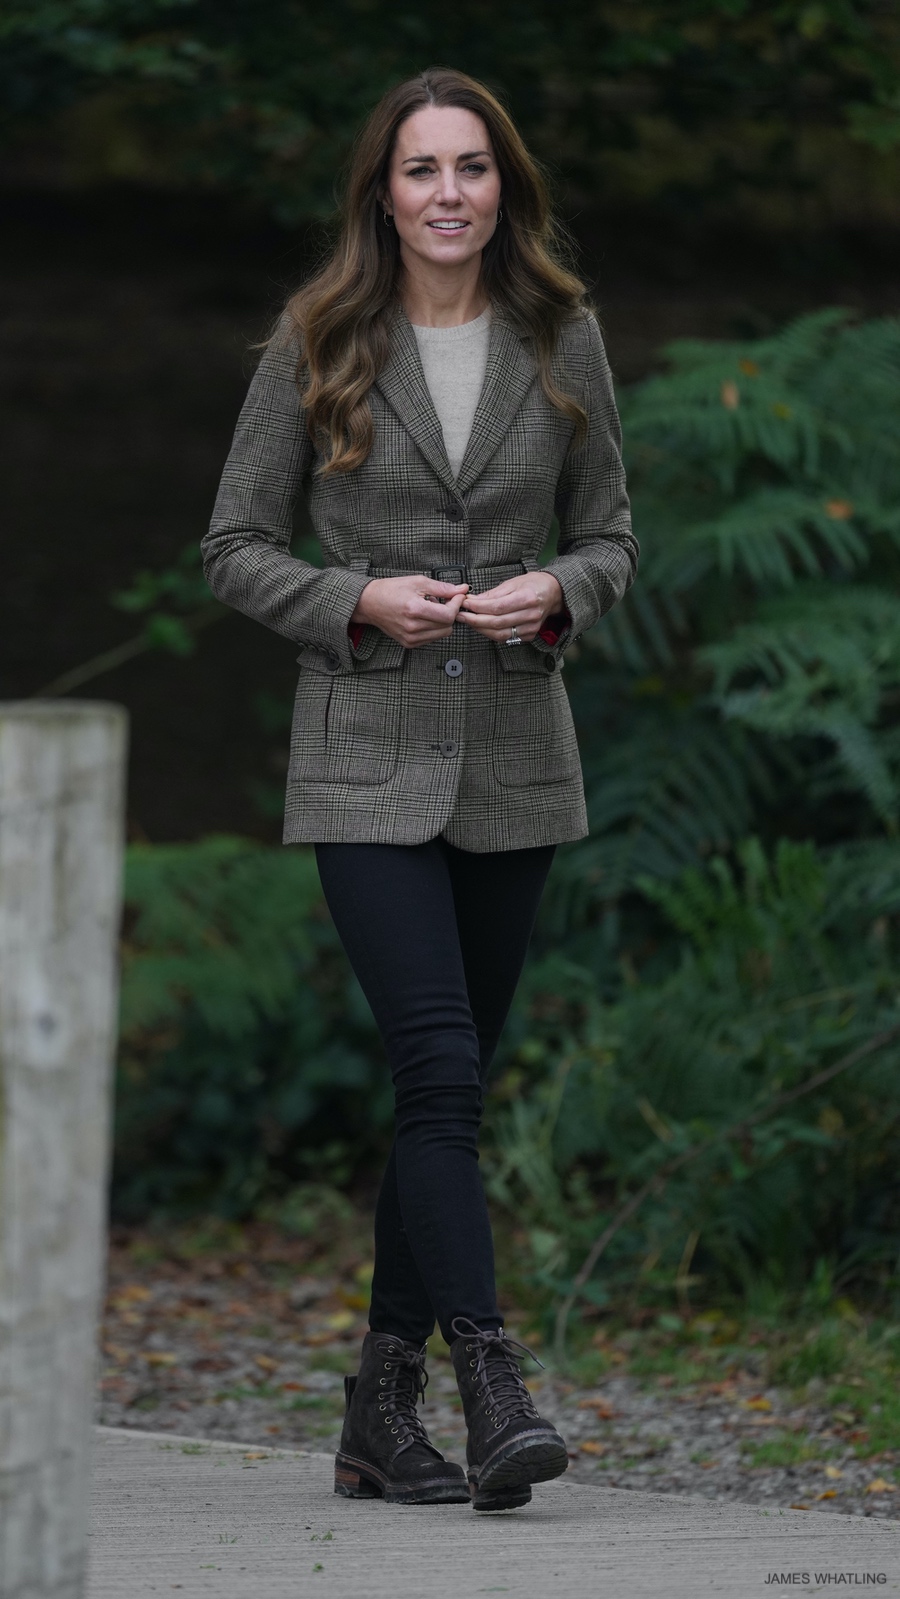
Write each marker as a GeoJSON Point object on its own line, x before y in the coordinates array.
{"type": "Point", "coordinates": [241, 1523]}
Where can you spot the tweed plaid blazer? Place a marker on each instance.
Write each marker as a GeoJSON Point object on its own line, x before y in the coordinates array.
{"type": "Point", "coordinates": [464, 737]}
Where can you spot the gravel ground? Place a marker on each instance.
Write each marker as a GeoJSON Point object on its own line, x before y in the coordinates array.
{"type": "Point", "coordinates": [253, 1346]}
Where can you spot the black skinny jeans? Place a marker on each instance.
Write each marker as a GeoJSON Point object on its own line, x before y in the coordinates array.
{"type": "Point", "coordinates": [437, 937]}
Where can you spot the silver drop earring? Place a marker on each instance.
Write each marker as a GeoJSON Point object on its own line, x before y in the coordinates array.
{"type": "Point", "coordinates": [388, 219]}
{"type": "Point", "coordinates": [500, 214]}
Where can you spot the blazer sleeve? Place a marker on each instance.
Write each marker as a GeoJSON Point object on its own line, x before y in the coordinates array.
{"type": "Point", "coordinates": [597, 552]}
{"type": "Point", "coordinates": [246, 553]}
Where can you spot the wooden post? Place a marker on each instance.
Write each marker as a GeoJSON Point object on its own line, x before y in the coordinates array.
{"type": "Point", "coordinates": [61, 811]}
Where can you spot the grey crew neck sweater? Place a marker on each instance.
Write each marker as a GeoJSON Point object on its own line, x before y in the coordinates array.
{"type": "Point", "coordinates": [454, 361]}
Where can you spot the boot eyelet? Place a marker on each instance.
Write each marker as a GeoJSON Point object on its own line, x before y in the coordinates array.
{"type": "Point", "coordinates": [381, 1382]}
{"type": "Point", "coordinates": [472, 1362]}
{"type": "Point", "coordinates": [382, 1407]}
{"type": "Point", "coordinates": [387, 1365]}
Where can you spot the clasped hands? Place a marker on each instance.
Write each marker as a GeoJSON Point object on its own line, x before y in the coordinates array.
{"type": "Point", "coordinates": [418, 610]}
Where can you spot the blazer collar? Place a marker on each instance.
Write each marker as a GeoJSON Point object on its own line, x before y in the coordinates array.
{"type": "Point", "coordinates": [510, 373]}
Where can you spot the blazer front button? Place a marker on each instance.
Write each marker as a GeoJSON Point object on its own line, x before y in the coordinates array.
{"type": "Point", "coordinates": [449, 747]}
{"type": "Point", "coordinates": [453, 668]}
{"type": "Point", "coordinates": [454, 511]}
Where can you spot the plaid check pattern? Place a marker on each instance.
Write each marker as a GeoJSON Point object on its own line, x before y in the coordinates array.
{"type": "Point", "coordinates": [387, 746]}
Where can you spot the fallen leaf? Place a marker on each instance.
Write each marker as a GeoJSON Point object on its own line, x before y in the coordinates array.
{"type": "Point", "coordinates": [838, 510]}
{"type": "Point", "coordinates": [845, 1416]}
{"type": "Point", "coordinates": [266, 1362]}
{"type": "Point", "coordinates": [341, 1320]}
{"type": "Point", "coordinates": [294, 1387]}
{"type": "Point", "coordinates": [601, 1408]}
{"type": "Point", "coordinates": [590, 1446]}
{"type": "Point", "coordinates": [132, 1294]}
{"type": "Point", "coordinates": [881, 1486]}
{"type": "Point", "coordinates": [798, 1507]}
{"type": "Point", "coordinates": [115, 1351]}
{"type": "Point", "coordinates": [827, 1493]}
{"type": "Point", "coordinates": [730, 395]}
{"type": "Point", "coordinates": [256, 1454]}
{"type": "Point", "coordinates": [354, 1301]}
{"type": "Point", "coordinates": [237, 1307]}
{"type": "Point", "coordinates": [160, 1357]}
{"type": "Point", "coordinates": [834, 1472]}
{"type": "Point", "coordinates": [757, 1402]}
{"type": "Point", "coordinates": [750, 367]}
{"type": "Point", "coordinates": [709, 1465]}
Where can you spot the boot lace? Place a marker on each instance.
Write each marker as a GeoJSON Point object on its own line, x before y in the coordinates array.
{"type": "Point", "coordinates": [495, 1361]}
{"type": "Point", "coordinates": [403, 1382]}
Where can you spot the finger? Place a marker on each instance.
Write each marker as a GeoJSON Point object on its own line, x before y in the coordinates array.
{"type": "Point", "coordinates": [512, 587]}
{"type": "Point", "coordinates": [503, 604]}
{"type": "Point", "coordinates": [444, 591]}
{"type": "Point", "coordinates": [502, 630]}
{"type": "Point", "coordinates": [532, 617]}
{"type": "Point", "coordinates": [436, 613]}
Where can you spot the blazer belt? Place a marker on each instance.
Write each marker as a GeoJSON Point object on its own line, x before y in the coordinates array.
{"type": "Point", "coordinates": [479, 578]}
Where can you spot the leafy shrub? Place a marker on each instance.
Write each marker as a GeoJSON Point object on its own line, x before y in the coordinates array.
{"type": "Point", "coordinates": [779, 969]}
{"type": "Point", "coordinates": [245, 1039]}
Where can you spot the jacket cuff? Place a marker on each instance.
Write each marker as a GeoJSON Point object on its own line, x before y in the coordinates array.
{"type": "Point", "coordinates": [326, 623]}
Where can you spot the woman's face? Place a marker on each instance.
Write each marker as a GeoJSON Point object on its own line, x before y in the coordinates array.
{"type": "Point", "coordinates": [443, 188]}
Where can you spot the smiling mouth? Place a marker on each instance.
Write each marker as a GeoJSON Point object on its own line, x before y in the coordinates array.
{"type": "Point", "coordinates": [456, 226]}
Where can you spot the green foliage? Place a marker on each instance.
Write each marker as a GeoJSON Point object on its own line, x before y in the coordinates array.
{"type": "Point", "coordinates": [244, 1039]}
{"type": "Point", "coordinates": [778, 969]}
{"type": "Point", "coordinates": [711, 101]}
{"type": "Point", "coordinates": [749, 681]}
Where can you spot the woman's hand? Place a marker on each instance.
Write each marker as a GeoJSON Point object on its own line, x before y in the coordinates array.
{"type": "Point", "coordinates": [413, 610]}
{"type": "Point", "coordinates": [521, 602]}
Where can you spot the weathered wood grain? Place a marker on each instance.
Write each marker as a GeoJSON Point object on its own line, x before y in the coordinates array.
{"type": "Point", "coordinates": [61, 782]}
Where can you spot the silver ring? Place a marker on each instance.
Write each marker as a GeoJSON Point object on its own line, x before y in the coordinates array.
{"type": "Point", "coordinates": [513, 635]}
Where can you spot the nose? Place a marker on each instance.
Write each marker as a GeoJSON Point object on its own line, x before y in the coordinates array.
{"type": "Point", "coordinates": [448, 188]}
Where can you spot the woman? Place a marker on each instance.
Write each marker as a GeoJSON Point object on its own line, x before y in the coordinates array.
{"type": "Point", "coordinates": [436, 393]}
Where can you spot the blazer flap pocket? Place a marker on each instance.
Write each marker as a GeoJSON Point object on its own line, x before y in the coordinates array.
{"type": "Point", "coordinates": [383, 655]}
{"type": "Point", "coordinates": [525, 658]}
{"type": "Point", "coordinates": [378, 653]}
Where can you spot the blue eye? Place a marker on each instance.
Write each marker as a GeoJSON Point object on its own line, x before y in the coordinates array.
{"type": "Point", "coordinates": [475, 166]}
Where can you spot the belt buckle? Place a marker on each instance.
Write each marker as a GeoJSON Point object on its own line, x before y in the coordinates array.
{"type": "Point", "coordinates": [449, 574]}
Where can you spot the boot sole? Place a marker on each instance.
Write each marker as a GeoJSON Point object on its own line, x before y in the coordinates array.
{"type": "Point", "coordinates": [504, 1483]}
{"type": "Point", "coordinates": [357, 1479]}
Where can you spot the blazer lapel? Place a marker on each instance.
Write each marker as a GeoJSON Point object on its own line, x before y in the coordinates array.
{"type": "Point", "coordinates": [402, 382]}
{"type": "Point", "coordinates": [511, 370]}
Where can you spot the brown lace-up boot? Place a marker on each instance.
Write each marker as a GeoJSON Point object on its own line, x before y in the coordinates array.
{"type": "Point", "coordinates": [385, 1452]}
{"type": "Point", "coordinates": [510, 1446]}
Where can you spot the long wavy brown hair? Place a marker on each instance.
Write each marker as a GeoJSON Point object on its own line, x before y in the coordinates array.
{"type": "Point", "coordinates": [342, 317]}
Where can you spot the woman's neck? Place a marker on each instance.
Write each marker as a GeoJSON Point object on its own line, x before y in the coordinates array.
{"type": "Point", "coordinates": [435, 297]}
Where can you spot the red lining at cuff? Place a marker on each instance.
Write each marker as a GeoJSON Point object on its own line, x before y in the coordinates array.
{"type": "Point", "coordinates": [554, 627]}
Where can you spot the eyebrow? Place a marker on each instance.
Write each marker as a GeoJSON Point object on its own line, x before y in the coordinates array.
{"type": "Point", "coordinates": [467, 155]}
